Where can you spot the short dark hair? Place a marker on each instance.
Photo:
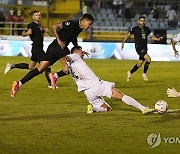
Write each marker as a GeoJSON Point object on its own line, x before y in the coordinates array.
{"type": "Point", "coordinates": [88, 17]}
{"type": "Point", "coordinates": [35, 11]}
{"type": "Point", "coordinates": [75, 48]}
{"type": "Point", "coordinates": [141, 17]}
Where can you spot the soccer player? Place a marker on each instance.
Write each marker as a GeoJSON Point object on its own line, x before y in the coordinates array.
{"type": "Point", "coordinates": [141, 33]}
{"type": "Point", "coordinates": [172, 92]}
{"type": "Point", "coordinates": [94, 88]}
{"type": "Point", "coordinates": [175, 39]}
{"type": "Point", "coordinates": [65, 33]}
{"type": "Point", "coordinates": [36, 33]}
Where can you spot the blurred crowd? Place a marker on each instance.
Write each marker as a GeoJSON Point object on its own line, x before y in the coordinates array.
{"type": "Point", "coordinates": [13, 19]}
{"type": "Point", "coordinates": [129, 9]}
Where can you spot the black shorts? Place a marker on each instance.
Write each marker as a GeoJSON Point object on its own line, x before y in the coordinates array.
{"type": "Point", "coordinates": [54, 52]}
{"type": "Point", "coordinates": [141, 54]}
{"type": "Point", "coordinates": [38, 53]}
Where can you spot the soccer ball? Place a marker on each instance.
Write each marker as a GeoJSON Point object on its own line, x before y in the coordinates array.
{"type": "Point", "coordinates": [161, 106]}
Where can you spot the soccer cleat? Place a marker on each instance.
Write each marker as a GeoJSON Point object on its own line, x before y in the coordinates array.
{"type": "Point", "coordinates": [15, 88]}
{"type": "Point", "coordinates": [49, 86]}
{"type": "Point", "coordinates": [144, 77]}
{"type": "Point", "coordinates": [89, 108]}
{"type": "Point", "coordinates": [8, 68]}
{"type": "Point", "coordinates": [53, 80]}
{"type": "Point", "coordinates": [128, 76]}
{"type": "Point", "coordinates": [147, 110]}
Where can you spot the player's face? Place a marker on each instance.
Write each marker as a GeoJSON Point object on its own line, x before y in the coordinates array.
{"type": "Point", "coordinates": [86, 24]}
{"type": "Point", "coordinates": [37, 16]}
{"type": "Point", "coordinates": [141, 22]}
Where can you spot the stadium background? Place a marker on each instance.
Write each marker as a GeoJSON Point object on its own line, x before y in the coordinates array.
{"type": "Point", "coordinates": [113, 19]}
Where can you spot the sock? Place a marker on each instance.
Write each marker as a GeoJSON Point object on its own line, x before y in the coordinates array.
{"type": "Point", "coordinates": [131, 101]}
{"type": "Point", "coordinates": [20, 66]}
{"type": "Point", "coordinates": [47, 71]}
{"type": "Point", "coordinates": [61, 74]}
{"type": "Point", "coordinates": [134, 69]}
{"type": "Point", "coordinates": [30, 75]}
{"type": "Point", "coordinates": [146, 66]}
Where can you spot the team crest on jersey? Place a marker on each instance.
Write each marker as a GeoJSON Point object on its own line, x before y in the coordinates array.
{"type": "Point", "coordinates": [67, 23]}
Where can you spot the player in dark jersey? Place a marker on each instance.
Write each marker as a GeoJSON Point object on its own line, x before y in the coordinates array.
{"type": "Point", "coordinates": [65, 33]}
{"type": "Point", "coordinates": [141, 33]}
{"type": "Point", "coordinates": [36, 33]}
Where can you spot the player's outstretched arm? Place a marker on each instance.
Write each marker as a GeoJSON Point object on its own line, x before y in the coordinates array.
{"type": "Point", "coordinates": [55, 29]}
{"type": "Point", "coordinates": [125, 39]}
{"type": "Point", "coordinates": [27, 33]}
{"type": "Point", "coordinates": [174, 48]}
{"type": "Point", "coordinates": [154, 38]}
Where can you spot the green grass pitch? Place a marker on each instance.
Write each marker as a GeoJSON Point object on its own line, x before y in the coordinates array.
{"type": "Point", "coordinates": [41, 120]}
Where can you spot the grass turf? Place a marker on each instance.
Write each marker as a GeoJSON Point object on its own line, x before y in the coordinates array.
{"type": "Point", "coordinates": [41, 120]}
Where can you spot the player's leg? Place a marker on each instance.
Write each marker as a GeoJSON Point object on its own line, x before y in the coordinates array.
{"type": "Point", "coordinates": [54, 76]}
{"type": "Point", "coordinates": [47, 72]}
{"type": "Point", "coordinates": [32, 64]}
{"type": "Point", "coordinates": [146, 66]}
{"type": "Point", "coordinates": [9, 67]}
{"type": "Point", "coordinates": [116, 94]}
{"type": "Point", "coordinates": [134, 69]}
{"type": "Point", "coordinates": [35, 72]}
{"type": "Point", "coordinates": [97, 104]}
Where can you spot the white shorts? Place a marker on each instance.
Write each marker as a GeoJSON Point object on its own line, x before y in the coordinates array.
{"type": "Point", "coordinates": [94, 94]}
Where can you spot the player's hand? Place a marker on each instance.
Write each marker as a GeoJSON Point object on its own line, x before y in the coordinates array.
{"type": "Point", "coordinates": [62, 44]}
{"type": "Point", "coordinates": [86, 53]}
{"type": "Point", "coordinates": [122, 46]}
{"type": "Point", "coordinates": [29, 32]}
{"type": "Point", "coordinates": [160, 38]}
{"type": "Point", "coordinates": [171, 92]}
{"type": "Point", "coordinates": [176, 53]}
{"type": "Point", "coordinates": [66, 69]}
{"type": "Point", "coordinates": [46, 30]}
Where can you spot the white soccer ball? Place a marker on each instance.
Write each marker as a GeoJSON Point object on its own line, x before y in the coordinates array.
{"type": "Point", "coordinates": [161, 106]}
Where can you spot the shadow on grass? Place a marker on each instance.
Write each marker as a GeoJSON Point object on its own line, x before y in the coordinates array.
{"type": "Point", "coordinates": [39, 117]}
{"type": "Point", "coordinates": [168, 116]}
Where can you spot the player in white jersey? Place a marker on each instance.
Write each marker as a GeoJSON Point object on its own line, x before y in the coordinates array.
{"type": "Point", "coordinates": [93, 87]}
{"type": "Point", "coordinates": [175, 39]}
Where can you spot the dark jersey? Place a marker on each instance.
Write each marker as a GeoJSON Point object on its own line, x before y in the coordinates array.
{"type": "Point", "coordinates": [140, 37]}
{"type": "Point", "coordinates": [70, 31]}
{"type": "Point", "coordinates": [37, 35]}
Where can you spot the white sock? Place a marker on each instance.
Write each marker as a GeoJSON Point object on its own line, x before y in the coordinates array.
{"type": "Point", "coordinates": [55, 74]}
{"type": "Point", "coordinates": [131, 101]}
{"type": "Point", "coordinates": [20, 84]}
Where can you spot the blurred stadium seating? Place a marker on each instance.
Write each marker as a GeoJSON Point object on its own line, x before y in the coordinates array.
{"type": "Point", "coordinates": [110, 24]}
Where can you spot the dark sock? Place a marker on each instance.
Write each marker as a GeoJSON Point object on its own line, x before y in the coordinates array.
{"type": "Point", "coordinates": [47, 71]}
{"type": "Point", "coordinates": [134, 69]}
{"type": "Point", "coordinates": [61, 74]}
{"type": "Point", "coordinates": [20, 66]}
{"type": "Point", "coordinates": [30, 75]}
{"type": "Point", "coordinates": [146, 66]}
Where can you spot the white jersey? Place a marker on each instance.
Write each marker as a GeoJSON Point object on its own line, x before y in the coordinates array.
{"type": "Point", "coordinates": [176, 37]}
{"type": "Point", "coordinates": [81, 73]}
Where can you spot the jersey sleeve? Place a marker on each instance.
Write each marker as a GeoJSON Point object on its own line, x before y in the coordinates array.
{"type": "Point", "coordinates": [29, 26]}
{"type": "Point", "coordinates": [149, 33]}
{"type": "Point", "coordinates": [131, 31]}
{"type": "Point", "coordinates": [176, 38]}
{"type": "Point", "coordinates": [74, 57]}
